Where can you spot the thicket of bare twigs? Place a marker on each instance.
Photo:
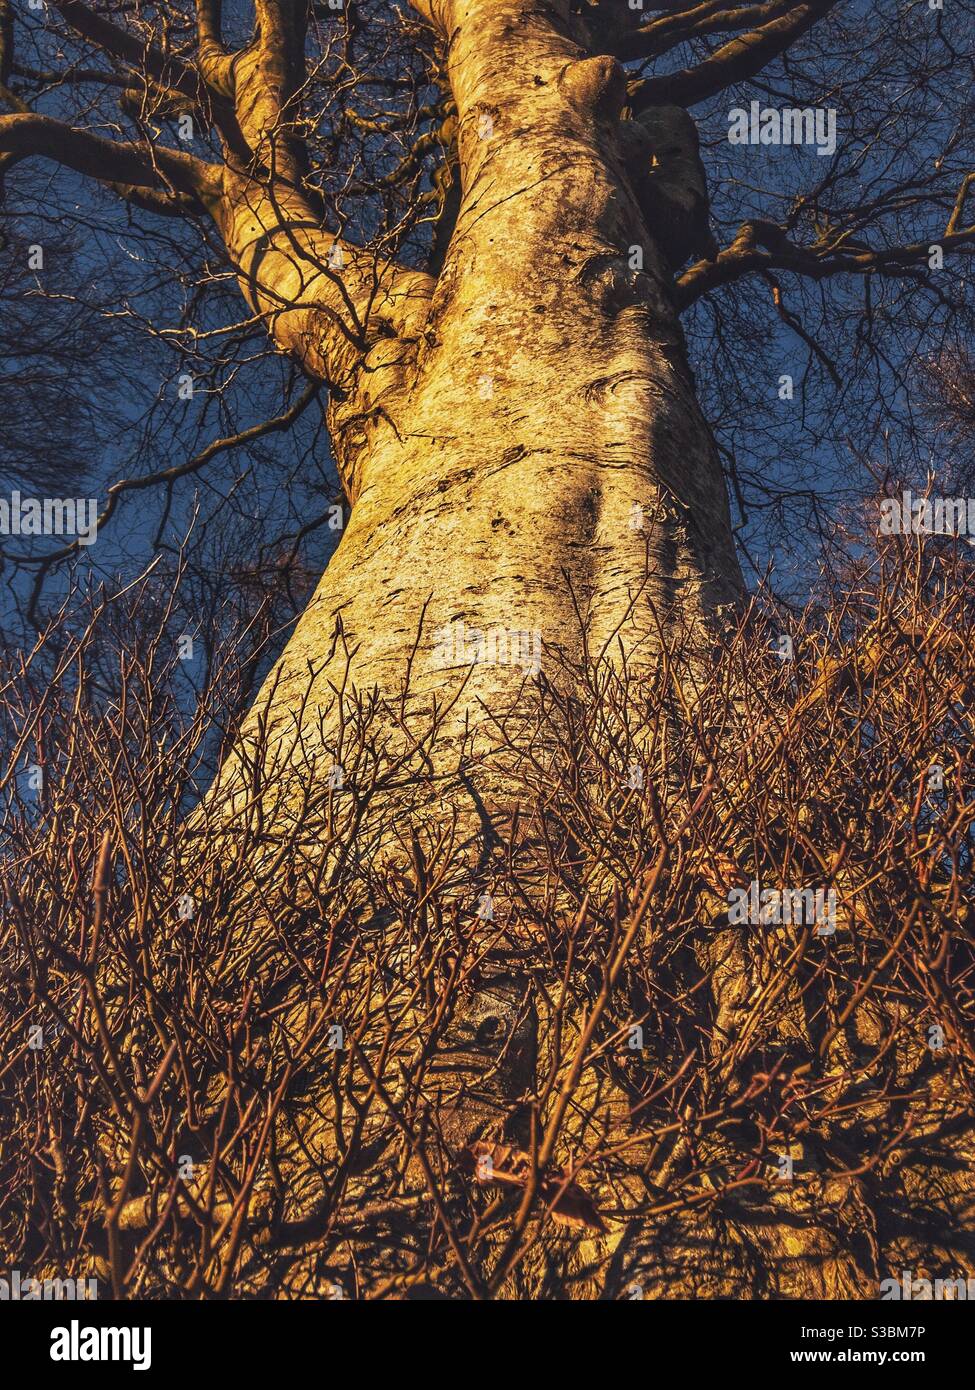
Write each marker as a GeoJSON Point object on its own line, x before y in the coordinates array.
{"type": "Point", "coordinates": [226, 1070]}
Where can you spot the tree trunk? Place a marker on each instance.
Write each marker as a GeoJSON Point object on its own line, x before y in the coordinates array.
{"type": "Point", "coordinates": [533, 485]}
{"type": "Point", "coordinates": [529, 461]}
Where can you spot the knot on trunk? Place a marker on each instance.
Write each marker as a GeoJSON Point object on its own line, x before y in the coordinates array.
{"type": "Point", "coordinates": [661, 154]}
{"type": "Point", "coordinates": [595, 86]}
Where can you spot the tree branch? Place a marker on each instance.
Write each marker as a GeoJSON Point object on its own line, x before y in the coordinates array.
{"type": "Point", "coordinates": [144, 57]}
{"type": "Point", "coordinates": [216, 64]}
{"type": "Point", "coordinates": [327, 302]}
{"type": "Point", "coordinates": [165, 70]}
{"type": "Point", "coordinates": [695, 21]}
{"type": "Point", "coordinates": [25, 135]}
{"type": "Point", "coordinates": [267, 78]}
{"type": "Point", "coordinates": [733, 62]}
{"type": "Point", "coordinates": [764, 246]}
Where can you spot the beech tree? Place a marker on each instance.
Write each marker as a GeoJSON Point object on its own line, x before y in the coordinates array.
{"type": "Point", "coordinates": [476, 227]}
{"type": "Point", "coordinates": [507, 395]}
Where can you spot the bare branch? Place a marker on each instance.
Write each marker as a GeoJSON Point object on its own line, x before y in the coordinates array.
{"type": "Point", "coordinates": [764, 246]}
{"type": "Point", "coordinates": [25, 135]}
{"type": "Point", "coordinates": [733, 62]}
{"type": "Point", "coordinates": [112, 39]}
